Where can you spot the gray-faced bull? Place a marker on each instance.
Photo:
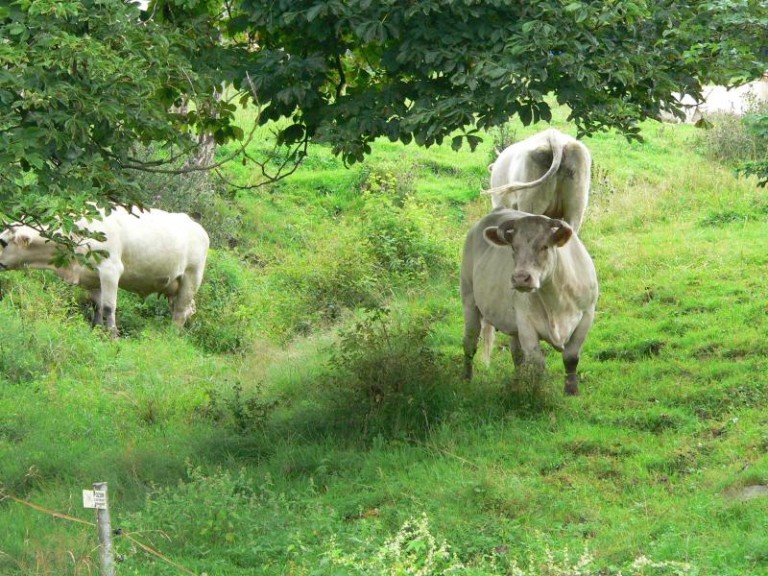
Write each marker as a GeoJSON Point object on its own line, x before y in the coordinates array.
{"type": "Point", "coordinates": [528, 276]}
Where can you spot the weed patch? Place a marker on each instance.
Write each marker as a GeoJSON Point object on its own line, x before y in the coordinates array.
{"type": "Point", "coordinates": [393, 382]}
{"type": "Point", "coordinates": [246, 412]}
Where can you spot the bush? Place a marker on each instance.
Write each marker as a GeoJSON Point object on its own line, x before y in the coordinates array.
{"type": "Point", "coordinates": [412, 550]}
{"type": "Point", "coordinates": [401, 239]}
{"type": "Point", "coordinates": [394, 382]}
{"type": "Point", "coordinates": [332, 272]}
{"type": "Point", "coordinates": [757, 125]}
{"type": "Point", "coordinates": [504, 136]}
{"type": "Point", "coordinates": [734, 140]}
{"type": "Point", "coordinates": [244, 411]}
{"type": "Point", "coordinates": [391, 182]}
{"type": "Point", "coordinates": [42, 326]}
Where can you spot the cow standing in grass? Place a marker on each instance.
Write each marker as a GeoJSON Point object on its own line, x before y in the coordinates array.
{"type": "Point", "coordinates": [145, 252]}
{"type": "Point", "coordinates": [532, 278]}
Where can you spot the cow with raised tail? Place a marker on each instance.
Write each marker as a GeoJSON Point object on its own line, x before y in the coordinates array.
{"type": "Point", "coordinates": [548, 173]}
{"type": "Point", "coordinates": [528, 276]}
{"type": "Point", "coordinates": [145, 252]}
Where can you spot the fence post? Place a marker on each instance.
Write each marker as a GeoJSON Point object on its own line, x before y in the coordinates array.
{"type": "Point", "coordinates": [106, 552]}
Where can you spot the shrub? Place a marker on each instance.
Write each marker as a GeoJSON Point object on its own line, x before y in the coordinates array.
{"type": "Point", "coordinates": [504, 136]}
{"type": "Point", "coordinates": [245, 411]}
{"type": "Point", "coordinates": [757, 124]}
{"type": "Point", "coordinates": [226, 519]}
{"type": "Point", "coordinates": [333, 272]}
{"type": "Point", "coordinates": [398, 231]}
{"type": "Point", "coordinates": [402, 239]}
{"type": "Point", "coordinates": [412, 550]}
{"type": "Point", "coordinates": [391, 182]}
{"type": "Point", "coordinates": [203, 512]}
{"type": "Point", "coordinates": [42, 326]}
{"type": "Point", "coordinates": [734, 140]}
{"type": "Point", "coordinates": [393, 381]}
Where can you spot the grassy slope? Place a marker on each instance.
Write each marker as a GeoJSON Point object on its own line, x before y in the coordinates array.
{"type": "Point", "coordinates": [649, 460]}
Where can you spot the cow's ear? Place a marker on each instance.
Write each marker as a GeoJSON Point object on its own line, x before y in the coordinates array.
{"type": "Point", "coordinates": [495, 236]}
{"type": "Point", "coordinates": [561, 233]}
{"type": "Point", "coordinates": [22, 238]}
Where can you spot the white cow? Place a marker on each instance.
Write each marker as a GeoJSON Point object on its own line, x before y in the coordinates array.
{"type": "Point", "coordinates": [548, 174]}
{"type": "Point", "coordinates": [147, 252]}
{"type": "Point", "coordinates": [532, 278]}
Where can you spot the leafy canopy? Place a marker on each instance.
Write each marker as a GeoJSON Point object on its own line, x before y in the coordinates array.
{"type": "Point", "coordinates": [84, 82]}
{"type": "Point", "coordinates": [350, 71]}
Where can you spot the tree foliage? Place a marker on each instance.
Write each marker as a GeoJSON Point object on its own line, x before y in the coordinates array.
{"type": "Point", "coordinates": [83, 82]}
{"type": "Point", "coordinates": [350, 71]}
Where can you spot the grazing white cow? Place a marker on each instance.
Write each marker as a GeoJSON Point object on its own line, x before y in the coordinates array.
{"type": "Point", "coordinates": [147, 252]}
{"type": "Point", "coordinates": [532, 278]}
{"type": "Point", "coordinates": [546, 174]}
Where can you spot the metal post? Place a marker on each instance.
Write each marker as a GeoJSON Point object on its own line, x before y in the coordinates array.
{"type": "Point", "coordinates": [106, 551]}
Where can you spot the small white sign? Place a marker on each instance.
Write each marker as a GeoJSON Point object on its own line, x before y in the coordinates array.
{"type": "Point", "coordinates": [95, 499]}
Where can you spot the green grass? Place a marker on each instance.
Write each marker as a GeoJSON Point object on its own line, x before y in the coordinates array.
{"type": "Point", "coordinates": [312, 419]}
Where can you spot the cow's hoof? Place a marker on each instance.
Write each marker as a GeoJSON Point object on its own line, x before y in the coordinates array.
{"type": "Point", "coordinates": [571, 388]}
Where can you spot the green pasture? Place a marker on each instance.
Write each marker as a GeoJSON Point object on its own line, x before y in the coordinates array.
{"type": "Point", "coordinates": [312, 418]}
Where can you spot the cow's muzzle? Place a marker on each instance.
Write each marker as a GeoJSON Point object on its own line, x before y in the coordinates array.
{"type": "Point", "coordinates": [524, 282]}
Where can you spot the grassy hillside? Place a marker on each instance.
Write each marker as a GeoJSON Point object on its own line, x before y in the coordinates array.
{"type": "Point", "coordinates": [312, 419]}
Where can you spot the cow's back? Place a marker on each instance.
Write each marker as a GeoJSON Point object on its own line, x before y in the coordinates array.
{"type": "Point", "coordinates": [563, 196]}
{"type": "Point", "coordinates": [154, 247]}
{"type": "Point", "coordinates": [523, 161]}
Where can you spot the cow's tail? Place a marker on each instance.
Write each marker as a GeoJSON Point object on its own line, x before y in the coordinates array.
{"type": "Point", "coordinates": [488, 334]}
{"type": "Point", "coordinates": [557, 159]}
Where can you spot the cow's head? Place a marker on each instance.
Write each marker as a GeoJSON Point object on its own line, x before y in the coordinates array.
{"type": "Point", "coordinates": [533, 241]}
{"type": "Point", "coordinates": [16, 243]}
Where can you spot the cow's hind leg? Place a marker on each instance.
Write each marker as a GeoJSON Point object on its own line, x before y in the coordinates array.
{"type": "Point", "coordinates": [94, 297]}
{"type": "Point", "coordinates": [183, 302]}
{"type": "Point", "coordinates": [471, 336]}
{"type": "Point", "coordinates": [108, 305]}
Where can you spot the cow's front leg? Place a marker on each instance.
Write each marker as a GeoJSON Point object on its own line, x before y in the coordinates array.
{"type": "Point", "coordinates": [572, 352]}
{"type": "Point", "coordinates": [518, 358]}
{"type": "Point", "coordinates": [571, 376]}
{"type": "Point", "coordinates": [533, 361]}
